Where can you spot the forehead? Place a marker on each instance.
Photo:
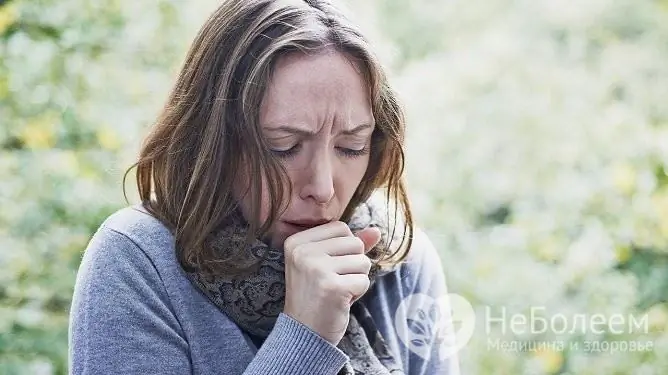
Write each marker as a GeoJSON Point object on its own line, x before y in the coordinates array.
{"type": "Point", "coordinates": [312, 87]}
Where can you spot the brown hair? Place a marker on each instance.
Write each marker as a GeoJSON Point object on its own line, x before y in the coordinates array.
{"type": "Point", "coordinates": [209, 128]}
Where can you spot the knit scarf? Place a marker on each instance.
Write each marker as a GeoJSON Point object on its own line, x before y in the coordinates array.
{"type": "Point", "coordinates": [254, 301]}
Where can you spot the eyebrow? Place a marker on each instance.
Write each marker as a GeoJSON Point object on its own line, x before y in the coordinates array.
{"type": "Point", "coordinates": [309, 133]}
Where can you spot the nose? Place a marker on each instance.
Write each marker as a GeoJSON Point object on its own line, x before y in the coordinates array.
{"type": "Point", "coordinates": [318, 180]}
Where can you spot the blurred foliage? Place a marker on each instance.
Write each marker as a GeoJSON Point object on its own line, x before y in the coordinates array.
{"type": "Point", "coordinates": [537, 156]}
{"type": "Point", "coordinates": [79, 81]}
{"type": "Point", "coordinates": [538, 160]}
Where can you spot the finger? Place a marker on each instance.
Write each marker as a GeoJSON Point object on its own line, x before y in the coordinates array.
{"type": "Point", "coordinates": [349, 264]}
{"type": "Point", "coordinates": [318, 255]}
{"type": "Point", "coordinates": [355, 283]}
{"type": "Point", "coordinates": [369, 236]}
{"type": "Point", "coordinates": [341, 246]}
{"type": "Point", "coordinates": [321, 232]}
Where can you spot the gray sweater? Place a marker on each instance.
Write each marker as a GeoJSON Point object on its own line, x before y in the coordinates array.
{"type": "Point", "coordinates": [135, 312]}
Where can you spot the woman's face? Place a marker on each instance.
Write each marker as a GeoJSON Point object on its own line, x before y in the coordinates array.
{"type": "Point", "coordinates": [317, 119]}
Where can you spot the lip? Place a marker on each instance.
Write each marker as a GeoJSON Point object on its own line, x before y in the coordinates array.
{"type": "Point", "coordinates": [307, 223]}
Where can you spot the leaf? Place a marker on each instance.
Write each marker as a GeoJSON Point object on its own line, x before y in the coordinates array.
{"type": "Point", "coordinates": [417, 327]}
{"type": "Point", "coordinates": [434, 313]}
{"type": "Point", "coordinates": [418, 342]}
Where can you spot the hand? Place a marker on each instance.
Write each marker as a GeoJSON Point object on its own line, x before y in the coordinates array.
{"type": "Point", "coordinates": [326, 270]}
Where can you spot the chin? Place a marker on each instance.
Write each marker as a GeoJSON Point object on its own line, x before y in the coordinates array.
{"type": "Point", "coordinates": [275, 240]}
{"type": "Point", "coordinates": [278, 243]}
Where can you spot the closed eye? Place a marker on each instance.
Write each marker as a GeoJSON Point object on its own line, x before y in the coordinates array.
{"type": "Point", "coordinates": [352, 153]}
{"type": "Point", "coordinates": [347, 152]}
{"type": "Point", "coordinates": [286, 154]}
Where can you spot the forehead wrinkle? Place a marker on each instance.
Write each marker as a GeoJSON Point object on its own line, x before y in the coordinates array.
{"type": "Point", "coordinates": [300, 99]}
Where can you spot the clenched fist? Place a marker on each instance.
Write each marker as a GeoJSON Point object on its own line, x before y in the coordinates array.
{"type": "Point", "coordinates": [326, 270]}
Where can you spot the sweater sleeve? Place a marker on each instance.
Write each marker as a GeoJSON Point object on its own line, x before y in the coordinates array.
{"type": "Point", "coordinates": [122, 322]}
{"type": "Point", "coordinates": [293, 348]}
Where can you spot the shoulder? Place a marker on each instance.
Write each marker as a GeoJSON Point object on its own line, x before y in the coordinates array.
{"type": "Point", "coordinates": [120, 306]}
{"type": "Point", "coordinates": [133, 232]}
{"type": "Point", "coordinates": [422, 251]}
{"type": "Point", "coordinates": [124, 267]}
{"type": "Point", "coordinates": [137, 225]}
{"type": "Point", "coordinates": [129, 249]}
{"type": "Point", "coordinates": [422, 270]}
{"type": "Point", "coordinates": [123, 246]}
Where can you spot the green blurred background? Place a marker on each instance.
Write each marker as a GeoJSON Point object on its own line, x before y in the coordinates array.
{"type": "Point", "coordinates": [537, 159]}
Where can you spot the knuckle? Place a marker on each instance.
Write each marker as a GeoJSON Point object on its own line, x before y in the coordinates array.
{"type": "Point", "coordinates": [290, 244]}
{"type": "Point", "coordinates": [353, 245]}
{"type": "Point", "coordinates": [367, 262]}
{"type": "Point", "coordinates": [295, 255]}
{"type": "Point", "coordinates": [364, 286]}
{"type": "Point", "coordinates": [313, 269]}
{"type": "Point", "coordinates": [359, 244]}
{"type": "Point", "coordinates": [341, 226]}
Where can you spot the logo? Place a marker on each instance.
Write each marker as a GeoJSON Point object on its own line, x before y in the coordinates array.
{"type": "Point", "coordinates": [426, 324]}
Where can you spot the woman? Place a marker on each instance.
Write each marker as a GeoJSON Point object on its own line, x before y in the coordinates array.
{"type": "Point", "coordinates": [260, 247]}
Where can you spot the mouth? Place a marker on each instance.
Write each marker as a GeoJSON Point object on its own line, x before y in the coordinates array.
{"type": "Point", "coordinates": [306, 224]}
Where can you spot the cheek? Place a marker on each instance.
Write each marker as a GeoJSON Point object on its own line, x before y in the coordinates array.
{"type": "Point", "coordinates": [350, 174]}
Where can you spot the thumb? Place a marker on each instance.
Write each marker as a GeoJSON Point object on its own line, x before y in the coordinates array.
{"type": "Point", "coordinates": [370, 237]}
